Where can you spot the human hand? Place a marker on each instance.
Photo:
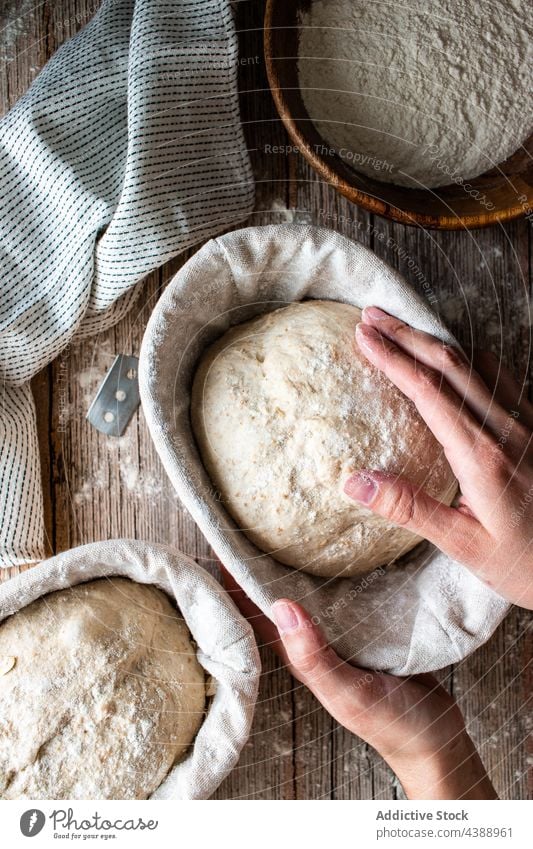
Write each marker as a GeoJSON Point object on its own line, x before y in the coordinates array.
{"type": "Point", "coordinates": [486, 434]}
{"type": "Point", "coordinates": [413, 723]}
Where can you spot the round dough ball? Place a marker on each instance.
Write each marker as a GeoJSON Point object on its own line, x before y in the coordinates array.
{"type": "Point", "coordinates": [284, 409]}
{"type": "Point", "coordinates": [103, 697]}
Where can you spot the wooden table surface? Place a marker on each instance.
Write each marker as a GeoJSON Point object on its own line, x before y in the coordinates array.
{"type": "Point", "coordinates": [98, 487]}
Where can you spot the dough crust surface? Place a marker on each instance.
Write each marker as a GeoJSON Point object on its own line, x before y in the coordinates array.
{"type": "Point", "coordinates": [104, 697]}
{"type": "Point", "coordinates": [284, 408]}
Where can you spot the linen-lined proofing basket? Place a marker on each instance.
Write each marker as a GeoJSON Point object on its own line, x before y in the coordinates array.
{"type": "Point", "coordinates": [226, 646]}
{"type": "Point", "coordinates": [419, 616]}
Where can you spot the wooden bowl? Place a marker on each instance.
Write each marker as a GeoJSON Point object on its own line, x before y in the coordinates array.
{"type": "Point", "coordinates": [506, 191]}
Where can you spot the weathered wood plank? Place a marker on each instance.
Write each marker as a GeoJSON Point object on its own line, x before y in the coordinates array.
{"type": "Point", "coordinates": [266, 769]}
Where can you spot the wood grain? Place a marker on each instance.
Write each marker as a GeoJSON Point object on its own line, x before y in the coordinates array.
{"type": "Point", "coordinates": [98, 488]}
{"type": "Point", "coordinates": [450, 207]}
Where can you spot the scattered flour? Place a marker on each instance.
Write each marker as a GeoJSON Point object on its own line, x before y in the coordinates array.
{"type": "Point", "coordinates": [280, 213]}
{"type": "Point", "coordinates": [89, 376]}
{"type": "Point", "coordinates": [286, 214]}
{"type": "Point", "coordinates": [485, 310]}
{"type": "Point", "coordinates": [98, 481]}
{"type": "Point", "coordinates": [411, 93]}
{"type": "Point", "coordinates": [141, 485]}
{"type": "Point", "coordinates": [16, 18]}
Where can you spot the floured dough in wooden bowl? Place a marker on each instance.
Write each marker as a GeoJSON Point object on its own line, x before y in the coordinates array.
{"type": "Point", "coordinates": [284, 408]}
{"type": "Point", "coordinates": [101, 693]}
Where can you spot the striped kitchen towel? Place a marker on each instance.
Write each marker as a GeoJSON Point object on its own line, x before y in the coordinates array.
{"type": "Point", "coordinates": [126, 150]}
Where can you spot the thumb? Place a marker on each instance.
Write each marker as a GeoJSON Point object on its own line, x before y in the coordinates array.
{"type": "Point", "coordinates": [453, 531]}
{"type": "Point", "coordinates": [348, 693]}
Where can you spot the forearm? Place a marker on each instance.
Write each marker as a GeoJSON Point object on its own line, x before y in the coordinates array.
{"type": "Point", "coordinates": [454, 773]}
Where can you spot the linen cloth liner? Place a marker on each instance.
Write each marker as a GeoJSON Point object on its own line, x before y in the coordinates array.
{"type": "Point", "coordinates": [126, 150]}
{"type": "Point", "coordinates": [417, 617]}
{"type": "Point", "coordinates": [226, 645]}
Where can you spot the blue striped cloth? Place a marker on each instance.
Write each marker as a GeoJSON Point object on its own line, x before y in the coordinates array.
{"type": "Point", "coordinates": [126, 150]}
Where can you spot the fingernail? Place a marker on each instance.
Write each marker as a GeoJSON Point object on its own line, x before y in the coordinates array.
{"type": "Point", "coordinates": [284, 616]}
{"type": "Point", "coordinates": [366, 335]}
{"type": "Point", "coordinates": [375, 313]}
{"type": "Point", "coordinates": [361, 487]}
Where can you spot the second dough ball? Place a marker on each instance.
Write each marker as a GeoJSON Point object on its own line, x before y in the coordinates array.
{"type": "Point", "coordinates": [102, 696]}
{"type": "Point", "coordinates": [284, 408]}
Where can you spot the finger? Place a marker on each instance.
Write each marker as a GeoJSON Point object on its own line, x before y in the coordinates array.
{"type": "Point", "coordinates": [262, 625]}
{"type": "Point", "coordinates": [510, 394]}
{"type": "Point", "coordinates": [456, 532]}
{"type": "Point", "coordinates": [348, 693]}
{"type": "Point", "coordinates": [445, 414]}
{"type": "Point", "coordinates": [449, 361]}
{"type": "Point", "coordinates": [370, 704]}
